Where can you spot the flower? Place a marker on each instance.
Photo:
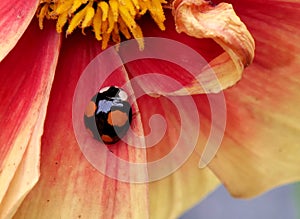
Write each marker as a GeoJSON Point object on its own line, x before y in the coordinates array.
{"type": "Point", "coordinates": [260, 148]}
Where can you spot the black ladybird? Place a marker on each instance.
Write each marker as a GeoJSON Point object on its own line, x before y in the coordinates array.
{"type": "Point", "coordinates": [108, 115]}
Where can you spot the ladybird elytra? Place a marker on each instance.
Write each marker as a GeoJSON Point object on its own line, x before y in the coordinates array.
{"type": "Point", "coordinates": [108, 115]}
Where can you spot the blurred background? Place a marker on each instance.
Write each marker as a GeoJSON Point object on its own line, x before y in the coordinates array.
{"type": "Point", "coordinates": [279, 203]}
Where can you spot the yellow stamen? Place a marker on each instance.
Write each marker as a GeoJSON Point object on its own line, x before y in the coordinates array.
{"type": "Point", "coordinates": [90, 12]}
{"type": "Point", "coordinates": [104, 7]}
{"type": "Point", "coordinates": [42, 14]}
{"type": "Point", "coordinates": [97, 23]}
{"type": "Point", "coordinates": [76, 5]}
{"type": "Point", "coordinates": [123, 28]}
{"type": "Point", "coordinates": [115, 34]}
{"type": "Point", "coordinates": [108, 18]}
{"type": "Point", "coordinates": [76, 21]}
{"type": "Point", "coordinates": [61, 21]}
{"type": "Point", "coordinates": [129, 6]}
{"type": "Point", "coordinates": [128, 19]}
{"type": "Point", "coordinates": [105, 35]}
{"type": "Point", "coordinates": [114, 5]}
{"type": "Point", "coordinates": [111, 22]}
{"type": "Point", "coordinates": [63, 6]}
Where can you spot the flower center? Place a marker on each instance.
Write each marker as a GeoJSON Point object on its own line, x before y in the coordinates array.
{"type": "Point", "coordinates": [108, 18]}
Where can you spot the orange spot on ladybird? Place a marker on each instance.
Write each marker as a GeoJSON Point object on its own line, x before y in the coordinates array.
{"type": "Point", "coordinates": [117, 118]}
{"type": "Point", "coordinates": [106, 138]}
{"type": "Point", "coordinates": [90, 109]}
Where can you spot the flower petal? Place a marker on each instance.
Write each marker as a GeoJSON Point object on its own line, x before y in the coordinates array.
{"type": "Point", "coordinates": [206, 47]}
{"type": "Point", "coordinates": [74, 187]}
{"type": "Point", "coordinates": [181, 190]}
{"type": "Point", "coordinates": [70, 187]}
{"type": "Point", "coordinates": [188, 184]}
{"type": "Point", "coordinates": [224, 68]}
{"type": "Point", "coordinates": [202, 20]}
{"type": "Point", "coordinates": [165, 63]}
{"type": "Point", "coordinates": [261, 147]}
{"type": "Point", "coordinates": [26, 84]}
{"type": "Point", "coordinates": [15, 17]}
{"type": "Point", "coordinates": [28, 171]}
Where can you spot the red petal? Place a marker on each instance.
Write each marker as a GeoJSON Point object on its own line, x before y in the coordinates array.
{"type": "Point", "coordinates": [205, 48]}
{"type": "Point", "coordinates": [26, 78]}
{"type": "Point", "coordinates": [70, 187]}
{"type": "Point", "coordinates": [226, 68]}
{"type": "Point", "coordinates": [15, 17]}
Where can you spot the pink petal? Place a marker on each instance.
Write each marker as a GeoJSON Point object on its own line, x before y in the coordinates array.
{"type": "Point", "coordinates": [223, 70]}
{"type": "Point", "coordinates": [206, 47]}
{"type": "Point", "coordinates": [207, 50]}
{"type": "Point", "coordinates": [26, 84]}
{"type": "Point", "coordinates": [15, 17]}
{"type": "Point", "coordinates": [70, 187]}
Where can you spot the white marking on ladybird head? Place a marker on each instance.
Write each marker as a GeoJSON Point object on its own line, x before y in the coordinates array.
{"type": "Point", "coordinates": [102, 90]}
{"type": "Point", "coordinates": [122, 94]}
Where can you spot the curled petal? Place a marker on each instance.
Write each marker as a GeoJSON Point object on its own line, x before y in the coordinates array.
{"type": "Point", "coordinates": [25, 89]}
{"type": "Point", "coordinates": [202, 20]}
{"type": "Point", "coordinates": [15, 17]}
